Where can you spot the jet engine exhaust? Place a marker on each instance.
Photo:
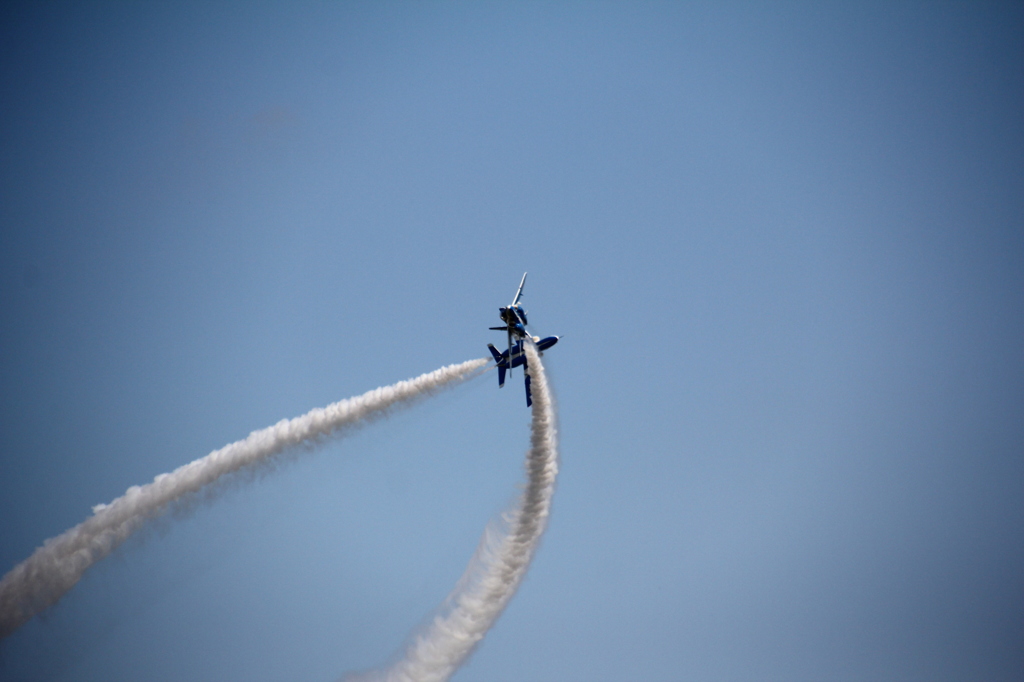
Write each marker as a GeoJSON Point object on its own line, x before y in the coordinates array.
{"type": "Point", "coordinates": [41, 580]}
{"type": "Point", "coordinates": [501, 560]}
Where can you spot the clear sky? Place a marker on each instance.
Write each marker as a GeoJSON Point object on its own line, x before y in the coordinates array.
{"type": "Point", "coordinates": [784, 243]}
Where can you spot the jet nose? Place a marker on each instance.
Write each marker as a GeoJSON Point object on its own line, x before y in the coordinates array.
{"type": "Point", "coordinates": [548, 342]}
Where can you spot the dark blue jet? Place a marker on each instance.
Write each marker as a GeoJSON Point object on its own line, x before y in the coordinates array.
{"type": "Point", "coordinates": [513, 316]}
{"type": "Point", "coordinates": [519, 359]}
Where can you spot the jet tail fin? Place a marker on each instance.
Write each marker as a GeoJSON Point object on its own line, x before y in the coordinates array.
{"type": "Point", "coordinates": [497, 361]}
{"type": "Point", "coordinates": [494, 352]}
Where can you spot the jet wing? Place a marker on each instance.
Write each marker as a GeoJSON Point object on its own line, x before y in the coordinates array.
{"type": "Point", "coordinates": [519, 292]}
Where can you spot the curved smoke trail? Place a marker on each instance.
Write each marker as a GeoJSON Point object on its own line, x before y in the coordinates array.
{"type": "Point", "coordinates": [501, 560]}
{"type": "Point", "coordinates": [53, 569]}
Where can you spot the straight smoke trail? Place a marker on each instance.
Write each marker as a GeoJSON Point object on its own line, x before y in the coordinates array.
{"type": "Point", "coordinates": [53, 569]}
{"type": "Point", "coordinates": [500, 562]}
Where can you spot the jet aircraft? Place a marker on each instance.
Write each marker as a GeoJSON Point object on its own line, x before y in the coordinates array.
{"type": "Point", "coordinates": [514, 318]}
{"type": "Point", "coordinates": [518, 353]}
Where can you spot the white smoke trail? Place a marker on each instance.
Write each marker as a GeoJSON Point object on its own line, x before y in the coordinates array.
{"type": "Point", "coordinates": [53, 569]}
{"type": "Point", "coordinates": [501, 560]}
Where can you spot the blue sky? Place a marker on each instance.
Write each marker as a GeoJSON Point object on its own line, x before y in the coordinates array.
{"type": "Point", "coordinates": [784, 244]}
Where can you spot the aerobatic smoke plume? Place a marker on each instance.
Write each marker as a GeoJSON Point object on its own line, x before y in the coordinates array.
{"type": "Point", "coordinates": [53, 569]}
{"type": "Point", "coordinates": [500, 562]}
